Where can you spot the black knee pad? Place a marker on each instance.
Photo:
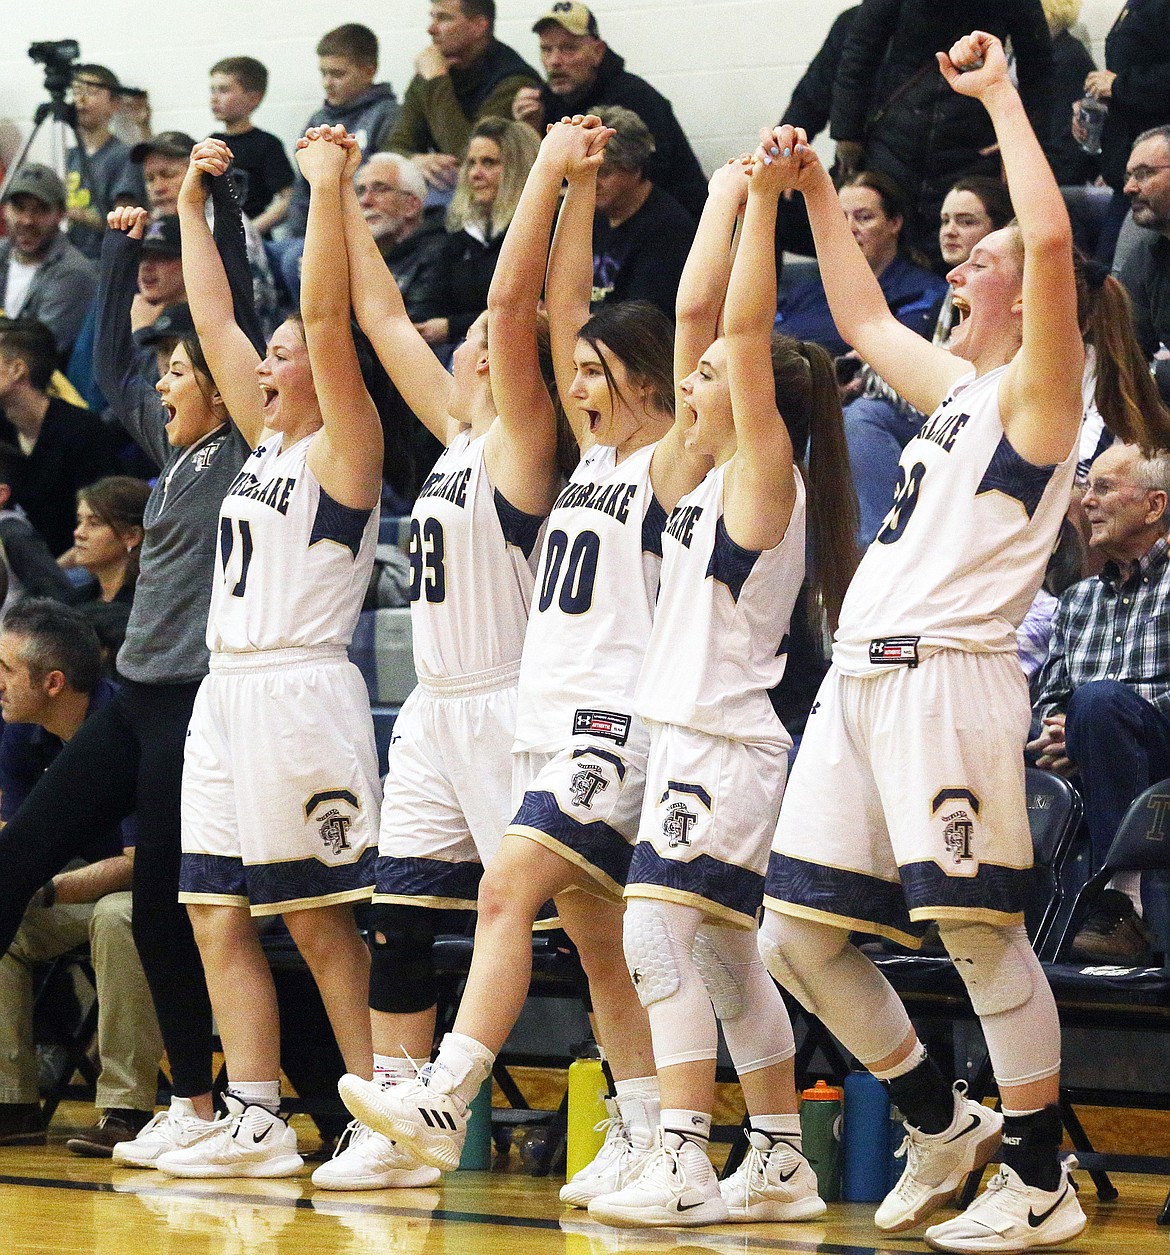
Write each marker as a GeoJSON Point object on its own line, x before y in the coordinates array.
{"type": "Point", "coordinates": [402, 969]}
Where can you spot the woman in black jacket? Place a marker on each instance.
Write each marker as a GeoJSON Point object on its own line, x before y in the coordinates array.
{"type": "Point", "coordinates": [892, 110]}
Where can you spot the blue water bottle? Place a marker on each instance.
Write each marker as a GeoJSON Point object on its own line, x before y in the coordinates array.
{"type": "Point", "coordinates": [866, 1174]}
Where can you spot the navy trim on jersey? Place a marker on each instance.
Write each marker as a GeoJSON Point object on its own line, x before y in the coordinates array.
{"type": "Point", "coordinates": [519, 529]}
{"type": "Point", "coordinates": [653, 524]}
{"type": "Point", "coordinates": [427, 878]}
{"type": "Point", "coordinates": [265, 884]}
{"type": "Point", "coordinates": [735, 888]}
{"type": "Point", "coordinates": [593, 751]}
{"type": "Point", "coordinates": [992, 888]}
{"type": "Point", "coordinates": [1015, 477]}
{"type": "Point", "coordinates": [596, 842]}
{"type": "Point", "coordinates": [340, 523]}
{"type": "Point", "coordinates": [730, 563]}
{"type": "Point", "coordinates": [836, 891]}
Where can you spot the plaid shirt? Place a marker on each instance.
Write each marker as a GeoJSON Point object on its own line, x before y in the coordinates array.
{"type": "Point", "coordinates": [1110, 630]}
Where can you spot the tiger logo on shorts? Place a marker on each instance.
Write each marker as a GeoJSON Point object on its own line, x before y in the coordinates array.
{"type": "Point", "coordinates": [334, 824]}
{"type": "Point", "coordinates": [677, 825]}
{"type": "Point", "coordinates": [585, 784]}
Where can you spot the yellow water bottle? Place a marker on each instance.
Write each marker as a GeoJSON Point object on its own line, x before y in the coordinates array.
{"type": "Point", "coordinates": [588, 1091]}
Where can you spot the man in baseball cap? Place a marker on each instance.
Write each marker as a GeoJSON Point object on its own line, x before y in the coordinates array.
{"type": "Point", "coordinates": [163, 158]}
{"type": "Point", "coordinates": [584, 74]}
{"type": "Point", "coordinates": [42, 275]}
{"type": "Point", "coordinates": [160, 269]}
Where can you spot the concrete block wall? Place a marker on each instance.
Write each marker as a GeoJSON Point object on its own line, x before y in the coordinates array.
{"type": "Point", "coordinates": [727, 65]}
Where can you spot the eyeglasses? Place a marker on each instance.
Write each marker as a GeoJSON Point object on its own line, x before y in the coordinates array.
{"type": "Point", "coordinates": [380, 189]}
{"type": "Point", "coordinates": [1143, 174]}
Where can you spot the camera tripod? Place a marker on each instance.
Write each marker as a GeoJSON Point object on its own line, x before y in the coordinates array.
{"type": "Point", "coordinates": [62, 117]}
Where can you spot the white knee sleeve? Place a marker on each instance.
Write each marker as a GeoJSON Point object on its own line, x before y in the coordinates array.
{"type": "Point", "coordinates": [749, 1006]}
{"type": "Point", "coordinates": [658, 939]}
{"type": "Point", "coordinates": [835, 982]}
{"type": "Point", "coordinates": [1010, 995]}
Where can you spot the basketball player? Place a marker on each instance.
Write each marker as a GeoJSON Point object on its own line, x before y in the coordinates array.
{"type": "Point", "coordinates": [474, 543]}
{"type": "Point", "coordinates": [280, 775]}
{"type": "Point", "coordinates": [580, 747]}
{"type": "Point", "coordinates": [907, 801]}
{"type": "Point", "coordinates": [733, 564]}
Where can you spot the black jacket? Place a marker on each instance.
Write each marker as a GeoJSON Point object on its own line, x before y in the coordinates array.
{"type": "Point", "coordinates": [1137, 49]}
{"type": "Point", "coordinates": [890, 96]}
{"type": "Point", "coordinates": [674, 166]}
{"type": "Point", "coordinates": [1071, 62]}
{"type": "Point", "coordinates": [461, 277]}
{"type": "Point", "coordinates": [812, 97]}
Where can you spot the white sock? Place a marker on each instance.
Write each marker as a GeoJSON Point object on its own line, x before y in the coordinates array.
{"type": "Point", "coordinates": [389, 1069]}
{"type": "Point", "coordinates": [786, 1128]}
{"type": "Point", "coordinates": [639, 1106]}
{"type": "Point", "coordinates": [694, 1126]}
{"type": "Point", "coordinates": [264, 1094]}
{"type": "Point", "coordinates": [461, 1066]}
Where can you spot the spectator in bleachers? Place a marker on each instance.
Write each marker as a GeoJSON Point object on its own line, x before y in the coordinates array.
{"type": "Point", "coordinates": [1072, 62]}
{"type": "Point", "coordinates": [1103, 696]}
{"type": "Point", "coordinates": [65, 447]}
{"type": "Point", "coordinates": [1135, 84]}
{"type": "Point", "coordinates": [875, 208]}
{"type": "Point", "coordinates": [462, 77]}
{"type": "Point", "coordinates": [878, 423]}
{"type": "Point", "coordinates": [107, 177]}
{"type": "Point", "coordinates": [260, 167]}
{"type": "Point", "coordinates": [583, 74]}
{"type": "Point", "coordinates": [892, 112]}
{"type": "Point", "coordinates": [1146, 270]}
{"type": "Point", "coordinates": [491, 177]}
{"type": "Point", "coordinates": [42, 275]}
{"type": "Point", "coordinates": [347, 58]}
{"type": "Point", "coordinates": [50, 682]}
{"type": "Point", "coordinates": [160, 271]}
{"type": "Point", "coordinates": [641, 234]}
{"type": "Point", "coordinates": [165, 157]}
{"type": "Point", "coordinates": [392, 192]}
{"type": "Point", "coordinates": [809, 108]}
{"type": "Point", "coordinates": [28, 566]}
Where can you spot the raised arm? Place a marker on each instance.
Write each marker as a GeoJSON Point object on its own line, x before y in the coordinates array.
{"type": "Point", "coordinates": [1040, 399]}
{"type": "Point", "coordinates": [675, 470]}
{"type": "Point", "coordinates": [378, 307]}
{"type": "Point", "coordinates": [231, 356]}
{"type": "Point", "coordinates": [917, 370]}
{"type": "Point", "coordinates": [760, 489]}
{"type": "Point", "coordinates": [522, 443]}
{"type": "Point", "coordinates": [136, 404]}
{"type": "Point", "coordinates": [703, 286]}
{"type": "Point", "coordinates": [568, 287]}
{"type": "Point", "coordinates": [346, 455]}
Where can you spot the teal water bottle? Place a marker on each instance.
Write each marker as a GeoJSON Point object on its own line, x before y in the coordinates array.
{"type": "Point", "coordinates": [477, 1149]}
{"type": "Point", "coordinates": [820, 1132]}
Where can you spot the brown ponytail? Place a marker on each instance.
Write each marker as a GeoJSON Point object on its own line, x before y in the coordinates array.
{"type": "Point", "coordinates": [1125, 392]}
{"type": "Point", "coordinates": [810, 404]}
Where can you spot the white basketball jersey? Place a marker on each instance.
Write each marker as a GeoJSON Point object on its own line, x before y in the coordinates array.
{"type": "Point", "coordinates": [959, 557]}
{"type": "Point", "coordinates": [473, 565]}
{"type": "Point", "coordinates": [721, 623]}
{"type": "Point", "coordinates": [293, 565]}
{"type": "Point", "coordinates": [593, 608]}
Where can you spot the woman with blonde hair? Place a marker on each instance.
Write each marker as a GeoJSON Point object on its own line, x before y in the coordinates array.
{"type": "Point", "coordinates": [491, 178]}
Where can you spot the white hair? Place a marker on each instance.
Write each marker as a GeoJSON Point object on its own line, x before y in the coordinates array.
{"type": "Point", "coordinates": [410, 178]}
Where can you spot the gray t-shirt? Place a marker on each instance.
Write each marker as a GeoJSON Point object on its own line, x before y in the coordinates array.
{"type": "Point", "coordinates": [111, 175]}
{"type": "Point", "coordinates": [168, 622]}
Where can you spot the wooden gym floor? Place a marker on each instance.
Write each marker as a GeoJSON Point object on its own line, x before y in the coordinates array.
{"type": "Point", "coordinates": [53, 1203]}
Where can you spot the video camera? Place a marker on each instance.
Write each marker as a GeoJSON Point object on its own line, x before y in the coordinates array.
{"type": "Point", "coordinates": [58, 57]}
